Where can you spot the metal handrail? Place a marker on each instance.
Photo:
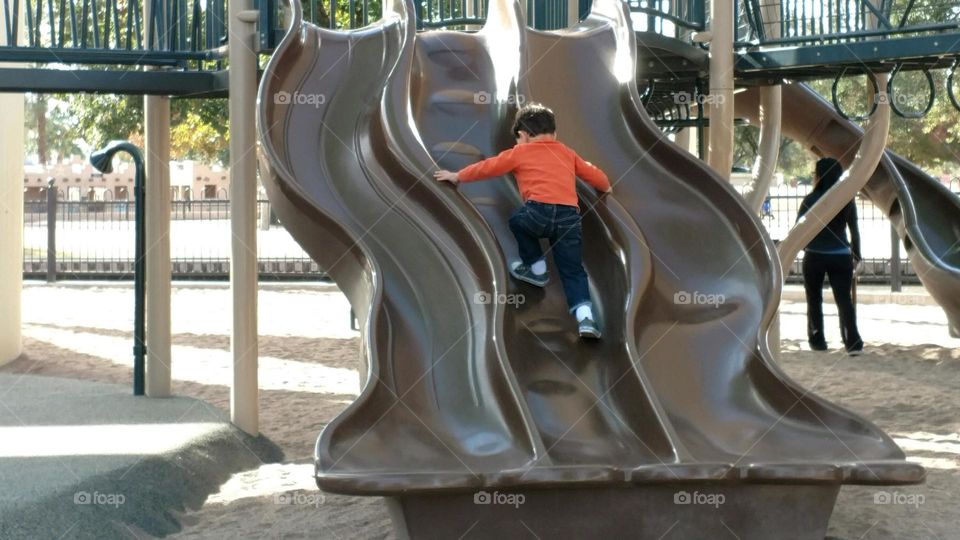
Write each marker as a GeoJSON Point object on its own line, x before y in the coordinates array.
{"type": "Point", "coordinates": [686, 14]}
{"type": "Point", "coordinates": [111, 31]}
{"type": "Point", "coordinates": [838, 21]}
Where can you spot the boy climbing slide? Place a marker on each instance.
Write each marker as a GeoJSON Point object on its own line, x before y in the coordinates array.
{"type": "Point", "coordinates": [546, 171]}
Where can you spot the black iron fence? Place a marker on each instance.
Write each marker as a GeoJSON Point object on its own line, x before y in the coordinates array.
{"type": "Point", "coordinates": [86, 239]}
{"type": "Point", "coordinates": [92, 239]}
{"type": "Point", "coordinates": [885, 259]}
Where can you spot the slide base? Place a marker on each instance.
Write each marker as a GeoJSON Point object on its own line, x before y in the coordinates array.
{"type": "Point", "coordinates": [682, 510]}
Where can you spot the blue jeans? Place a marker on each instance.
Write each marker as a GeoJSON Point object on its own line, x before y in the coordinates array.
{"type": "Point", "coordinates": [560, 224]}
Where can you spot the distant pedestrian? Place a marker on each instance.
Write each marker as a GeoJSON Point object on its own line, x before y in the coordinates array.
{"type": "Point", "coordinates": [830, 253]}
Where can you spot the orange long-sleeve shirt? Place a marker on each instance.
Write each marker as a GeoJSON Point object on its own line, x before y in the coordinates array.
{"type": "Point", "coordinates": [545, 170]}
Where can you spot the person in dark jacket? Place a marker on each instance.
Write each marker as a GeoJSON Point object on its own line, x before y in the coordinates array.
{"type": "Point", "coordinates": [831, 254]}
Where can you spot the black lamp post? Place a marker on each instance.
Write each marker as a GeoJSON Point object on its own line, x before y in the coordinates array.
{"type": "Point", "coordinates": [103, 161]}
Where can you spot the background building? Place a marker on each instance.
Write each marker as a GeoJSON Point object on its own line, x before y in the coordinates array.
{"type": "Point", "coordinates": [75, 180]}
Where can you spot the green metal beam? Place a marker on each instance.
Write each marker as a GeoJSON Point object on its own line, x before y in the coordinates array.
{"type": "Point", "coordinates": [68, 55]}
{"type": "Point", "coordinates": [165, 83]}
{"type": "Point", "coordinates": [883, 54]}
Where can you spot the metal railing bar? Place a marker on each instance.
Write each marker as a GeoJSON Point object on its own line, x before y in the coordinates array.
{"type": "Point", "coordinates": [95, 14]}
{"type": "Point", "coordinates": [881, 17]}
{"type": "Point", "coordinates": [74, 32]}
{"type": "Point", "coordinates": [679, 21]}
{"type": "Point", "coordinates": [30, 34]}
{"type": "Point", "coordinates": [109, 56]}
{"type": "Point", "coordinates": [906, 13]}
{"type": "Point", "coordinates": [51, 22]}
{"type": "Point", "coordinates": [116, 23]}
{"type": "Point", "coordinates": [195, 29]}
{"type": "Point", "coordinates": [129, 25]}
{"type": "Point", "coordinates": [793, 40]}
{"type": "Point", "coordinates": [6, 22]}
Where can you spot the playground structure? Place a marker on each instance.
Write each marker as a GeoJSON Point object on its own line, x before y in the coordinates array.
{"type": "Point", "coordinates": [474, 396]}
{"type": "Point", "coordinates": [465, 397]}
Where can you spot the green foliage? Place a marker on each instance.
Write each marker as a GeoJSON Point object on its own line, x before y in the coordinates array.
{"type": "Point", "coordinates": [48, 132]}
{"type": "Point", "coordinates": [100, 118]}
{"type": "Point", "coordinates": [201, 131]}
{"type": "Point", "coordinates": [933, 141]}
{"type": "Point", "coordinates": [794, 162]}
{"type": "Point", "coordinates": [318, 12]}
{"type": "Point", "coordinates": [199, 127]}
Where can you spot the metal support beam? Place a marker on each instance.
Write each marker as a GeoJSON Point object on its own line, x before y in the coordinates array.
{"type": "Point", "coordinates": [11, 216]}
{"type": "Point", "coordinates": [51, 230]}
{"type": "Point", "coordinates": [163, 83]}
{"type": "Point", "coordinates": [931, 50]}
{"type": "Point", "coordinates": [244, 392]}
{"type": "Point", "coordinates": [78, 55]}
{"type": "Point", "coordinates": [896, 280]}
{"type": "Point", "coordinates": [720, 101]}
{"type": "Point", "coordinates": [156, 127]}
{"type": "Point", "coordinates": [771, 103]}
{"type": "Point", "coordinates": [771, 100]}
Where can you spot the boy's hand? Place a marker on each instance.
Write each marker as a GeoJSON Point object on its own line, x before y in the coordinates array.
{"type": "Point", "coordinates": [446, 176]}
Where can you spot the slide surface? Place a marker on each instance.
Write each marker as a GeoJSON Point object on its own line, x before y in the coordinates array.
{"type": "Point", "coordinates": [925, 213]}
{"type": "Point", "coordinates": [474, 380]}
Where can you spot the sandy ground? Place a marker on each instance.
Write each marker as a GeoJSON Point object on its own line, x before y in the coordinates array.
{"type": "Point", "coordinates": [906, 382]}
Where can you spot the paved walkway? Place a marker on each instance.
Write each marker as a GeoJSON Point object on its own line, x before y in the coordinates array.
{"type": "Point", "coordinates": [81, 459]}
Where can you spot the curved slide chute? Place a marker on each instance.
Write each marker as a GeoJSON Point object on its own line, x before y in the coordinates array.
{"type": "Point", "coordinates": [477, 382]}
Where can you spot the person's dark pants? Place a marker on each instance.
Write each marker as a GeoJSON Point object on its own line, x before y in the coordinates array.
{"type": "Point", "coordinates": [839, 268]}
{"type": "Point", "coordinates": [560, 225]}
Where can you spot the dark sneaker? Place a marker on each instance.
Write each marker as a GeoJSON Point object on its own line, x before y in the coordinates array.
{"type": "Point", "coordinates": [588, 329]}
{"type": "Point", "coordinates": [818, 346]}
{"type": "Point", "coordinates": [524, 273]}
{"type": "Point", "coordinates": [855, 351]}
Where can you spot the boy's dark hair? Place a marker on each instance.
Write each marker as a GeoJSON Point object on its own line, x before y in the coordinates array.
{"type": "Point", "coordinates": [829, 172]}
{"type": "Point", "coordinates": [535, 119]}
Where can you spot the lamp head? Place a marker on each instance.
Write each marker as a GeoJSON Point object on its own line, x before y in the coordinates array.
{"type": "Point", "coordinates": [102, 159]}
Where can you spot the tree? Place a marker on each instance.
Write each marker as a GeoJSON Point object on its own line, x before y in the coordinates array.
{"type": "Point", "coordinates": [795, 161]}
{"type": "Point", "coordinates": [48, 129]}
{"type": "Point", "coordinates": [933, 141]}
{"type": "Point", "coordinates": [199, 127]}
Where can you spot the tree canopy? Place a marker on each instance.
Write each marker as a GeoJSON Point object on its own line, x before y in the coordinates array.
{"type": "Point", "coordinates": [932, 141]}
{"type": "Point", "coordinates": [76, 123]}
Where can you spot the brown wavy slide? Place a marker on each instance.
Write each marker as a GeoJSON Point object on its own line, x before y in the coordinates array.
{"type": "Point", "coordinates": [482, 413]}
